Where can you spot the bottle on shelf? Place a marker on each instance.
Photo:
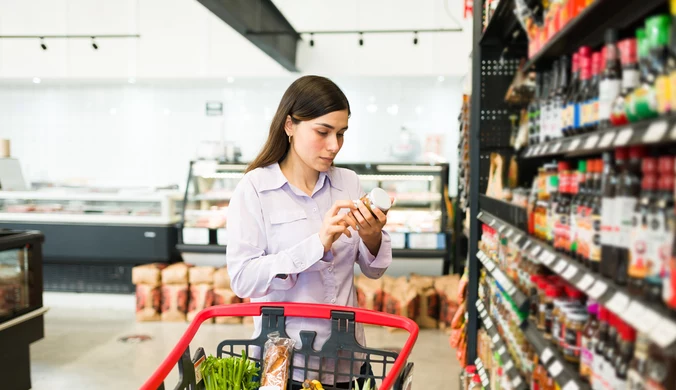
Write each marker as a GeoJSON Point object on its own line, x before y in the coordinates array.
{"type": "Point", "coordinates": [594, 218]}
{"type": "Point", "coordinates": [592, 105]}
{"type": "Point", "coordinates": [544, 107]}
{"type": "Point", "coordinates": [630, 81]}
{"type": "Point", "coordinates": [599, 341]}
{"type": "Point", "coordinates": [638, 367]}
{"type": "Point", "coordinates": [534, 113]}
{"type": "Point", "coordinates": [643, 101]}
{"type": "Point", "coordinates": [628, 191]}
{"type": "Point", "coordinates": [571, 93]}
{"type": "Point", "coordinates": [610, 352]}
{"type": "Point", "coordinates": [672, 55]}
{"type": "Point", "coordinates": [661, 222]}
{"type": "Point", "coordinates": [611, 79]}
{"type": "Point", "coordinates": [640, 253]}
{"type": "Point", "coordinates": [658, 29]}
{"type": "Point", "coordinates": [578, 192]}
{"type": "Point", "coordinates": [610, 218]}
{"type": "Point", "coordinates": [553, 122]}
{"type": "Point", "coordinates": [625, 352]}
{"type": "Point", "coordinates": [562, 216]}
{"type": "Point", "coordinates": [551, 208]}
{"type": "Point", "coordinates": [586, 343]}
{"type": "Point", "coordinates": [661, 368]}
{"type": "Point", "coordinates": [560, 98]}
{"type": "Point", "coordinates": [584, 92]}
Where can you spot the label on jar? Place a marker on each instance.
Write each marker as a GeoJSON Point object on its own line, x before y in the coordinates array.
{"type": "Point", "coordinates": [595, 238]}
{"type": "Point", "coordinates": [626, 206]}
{"type": "Point", "coordinates": [586, 356]}
{"type": "Point", "coordinates": [639, 257]}
{"type": "Point", "coordinates": [663, 94]}
{"type": "Point", "coordinates": [608, 222]}
{"type": "Point", "coordinates": [565, 116]}
{"type": "Point", "coordinates": [572, 342]}
{"type": "Point", "coordinates": [577, 115]}
{"type": "Point", "coordinates": [609, 90]}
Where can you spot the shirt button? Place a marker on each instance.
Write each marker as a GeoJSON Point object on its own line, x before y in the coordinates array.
{"type": "Point", "coordinates": [333, 300]}
{"type": "Point", "coordinates": [330, 269]}
{"type": "Point", "coordinates": [315, 209]}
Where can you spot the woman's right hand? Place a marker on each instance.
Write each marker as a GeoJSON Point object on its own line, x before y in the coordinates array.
{"type": "Point", "coordinates": [334, 225]}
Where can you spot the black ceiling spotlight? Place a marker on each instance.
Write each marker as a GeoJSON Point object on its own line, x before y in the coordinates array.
{"type": "Point", "coordinates": [42, 43]}
{"type": "Point", "coordinates": [312, 39]}
{"type": "Point", "coordinates": [361, 39]}
{"type": "Point", "coordinates": [94, 45]}
{"type": "Point", "coordinates": [415, 37]}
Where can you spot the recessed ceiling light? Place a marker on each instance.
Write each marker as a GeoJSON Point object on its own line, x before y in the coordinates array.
{"type": "Point", "coordinates": [230, 79]}
{"type": "Point", "coordinates": [132, 80]}
{"type": "Point", "coordinates": [36, 80]}
{"type": "Point", "coordinates": [441, 79]}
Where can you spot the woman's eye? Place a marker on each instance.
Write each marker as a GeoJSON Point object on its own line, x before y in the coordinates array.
{"type": "Point", "coordinates": [341, 135]}
{"type": "Point", "coordinates": [322, 133]}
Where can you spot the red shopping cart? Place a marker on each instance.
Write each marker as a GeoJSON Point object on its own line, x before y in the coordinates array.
{"type": "Point", "coordinates": [392, 370]}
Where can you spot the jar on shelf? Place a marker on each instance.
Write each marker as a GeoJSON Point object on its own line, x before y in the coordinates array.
{"type": "Point", "coordinates": [575, 323]}
{"type": "Point", "coordinates": [551, 294]}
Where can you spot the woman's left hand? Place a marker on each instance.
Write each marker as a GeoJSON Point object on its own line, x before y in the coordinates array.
{"type": "Point", "coordinates": [368, 225]}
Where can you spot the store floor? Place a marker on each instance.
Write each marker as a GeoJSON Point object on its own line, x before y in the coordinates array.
{"type": "Point", "coordinates": [81, 348]}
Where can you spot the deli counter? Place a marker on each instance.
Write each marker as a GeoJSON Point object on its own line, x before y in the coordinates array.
{"type": "Point", "coordinates": [418, 222]}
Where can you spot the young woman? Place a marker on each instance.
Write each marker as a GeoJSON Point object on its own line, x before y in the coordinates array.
{"type": "Point", "coordinates": [294, 232]}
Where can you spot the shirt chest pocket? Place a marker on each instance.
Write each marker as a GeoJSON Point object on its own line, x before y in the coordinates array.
{"type": "Point", "coordinates": [288, 227]}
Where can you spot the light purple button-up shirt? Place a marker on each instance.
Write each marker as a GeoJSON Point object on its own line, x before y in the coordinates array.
{"type": "Point", "coordinates": [273, 228]}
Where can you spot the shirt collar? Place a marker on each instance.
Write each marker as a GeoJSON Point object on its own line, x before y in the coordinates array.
{"type": "Point", "coordinates": [273, 178]}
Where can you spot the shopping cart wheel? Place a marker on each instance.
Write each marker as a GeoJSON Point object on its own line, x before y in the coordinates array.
{"type": "Point", "coordinates": [405, 378]}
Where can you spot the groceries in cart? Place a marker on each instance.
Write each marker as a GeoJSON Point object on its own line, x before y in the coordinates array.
{"type": "Point", "coordinates": [276, 362]}
{"type": "Point", "coordinates": [229, 373]}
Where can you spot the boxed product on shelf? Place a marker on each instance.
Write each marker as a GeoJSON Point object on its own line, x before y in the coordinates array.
{"type": "Point", "coordinates": [175, 299]}
{"type": "Point", "coordinates": [148, 302]}
{"type": "Point", "coordinates": [150, 274]}
{"type": "Point", "coordinates": [176, 273]}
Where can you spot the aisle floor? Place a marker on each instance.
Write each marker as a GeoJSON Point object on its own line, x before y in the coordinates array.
{"type": "Point", "coordinates": [81, 348]}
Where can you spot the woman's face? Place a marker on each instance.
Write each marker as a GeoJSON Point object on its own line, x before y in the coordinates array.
{"type": "Point", "coordinates": [318, 141]}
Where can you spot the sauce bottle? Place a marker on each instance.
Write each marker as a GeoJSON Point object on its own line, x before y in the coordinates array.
{"type": "Point", "coordinates": [611, 80]}
{"type": "Point", "coordinates": [584, 90]}
{"type": "Point", "coordinates": [610, 352]}
{"type": "Point", "coordinates": [661, 369]}
{"type": "Point", "coordinates": [552, 114]}
{"type": "Point", "coordinates": [658, 30]}
{"type": "Point", "coordinates": [587, 344]}
{"type": "Point", "coordinates": [562, 214]}
{"type": "Point", "coordinates": [579, 192]}
{"type": "Point", "coordinates": [628, 191]}
{"type": "Point", "coordinates": [560, 96]}
{"type": "Point", "coordinates": [584, 215]}
{"type": "Point", "coordinates": [661, 226]}
{"type": "Point", "coordinates": [552, 293]}
{"type": "Point", "coordinates": [636, 376]}
{"type": "Point", "coordinates": [551, 207]}
{"type": "Point", "coordinates": [595, 218]}
{"type": "Point", "coordinates": [630, 80]}
{"type": "Point", "coordinates": [599, 343]}
{"type": "Point", "coordinates": [569, 125]}
{"type": "Point", "coordinates": [625, 352]}
{"type": "Point", "coordinates": [640, 254]}
{"type": "Point", "coordinates": [610, 219]}
{"type": "Point", "coordinates": [592, 105]}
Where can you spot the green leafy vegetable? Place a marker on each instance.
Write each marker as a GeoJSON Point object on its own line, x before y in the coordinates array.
{"type": "Point", "coordinates": [230, 373]}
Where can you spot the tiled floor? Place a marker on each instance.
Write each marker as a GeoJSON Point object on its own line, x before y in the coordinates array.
{"type": "Point", "coordinates": [81, 348]}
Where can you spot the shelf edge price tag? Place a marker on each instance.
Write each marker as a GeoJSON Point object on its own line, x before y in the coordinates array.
{"type": "Point", "coordinates": [509, 233]}
{"type": "Point", "coordinates": [664, 333]}
{"type": "Point", "coordinates": [495, 338]}
{"type": "Point", "coordinates": [546, 355]}
{"type": "Point", "coordinates": [502, 350]}
{"type": "Point", "coordinates": [492, 222]}
{"type": "Point", "coordinates": [648, 321]}
{"type": "Point", "coordinates": [591, 142]}
{"type": "Point", "coordinates": [574, 144]}
{"type": "Point", "coordinates": [502, 228]}
{"type": "Point", "coordinates": [555, 369]}
{"type": "Point", "coordinates": [560, 266]}
{"type": "Point", "coordinates": [555, 148]}
{"type": "Point", "coordinates": [516, 382]}
{"type": "Point", "coordinates": [672, 135]}
{"type": "Point", "coordinates": [548, 259]}
{"type": "Point", "coordinates": [597, 289]}
{"type": "Point", "coordinates": [536, 251]}
{"type": "Point", "coordinates": [570, 273]}
{"type": "Point", "coordinates": [634, 313]}
{"type": "Point", "coordinates": [618, 303]}
{"type": "Point", "coordinates": [525, 245]}
{"type": "Point", "coordinates": [607, 139]}
{"type": "Point", "coordinates": [655, 131]}
{"type": "Point", "coordinates": [571, 385]}
{"type": "Point", "coordinates": [509, 365]}
{"type": "Point", "coordinates": [623, 136]}
{"type": "Point", "coordinates": [584, 283]}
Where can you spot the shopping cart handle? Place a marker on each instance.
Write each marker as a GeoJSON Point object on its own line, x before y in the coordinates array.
{"type": "Point", "coordinates": [306, 310]}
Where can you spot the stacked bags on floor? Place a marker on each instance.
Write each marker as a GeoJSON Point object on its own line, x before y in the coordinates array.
{"type": "Point", "coordinates": [432, 302]}
{"type": "Point", "coordinates": [176, 293]}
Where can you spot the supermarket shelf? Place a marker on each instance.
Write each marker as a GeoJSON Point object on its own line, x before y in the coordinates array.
{"type": "Point", "coordinates": [201, 248]}
{"type": "Point", "coordinates": [481, 370]}
{"type": "Point", "coordinates": [653, 319]}
{"type": "Point", "coordinates": [589, 27]}
{"type": "Point", "coordinates": [504, 282]}
{"type": "Point", "coordinates": [564, 373]}
{"type": "Point", "coordinates": [661, 130]}
{"type": "Point", "coordinates": [500, 347]}
{"type": "Point", "coordinates": [502, 24]}
{"type": "Point", "coordinates": [419, 253]}
{"type": "Point", "coordinates": [506, 211]}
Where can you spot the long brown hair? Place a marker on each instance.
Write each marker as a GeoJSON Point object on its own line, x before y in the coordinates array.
{"type": "Point", "coordinates": [307, 98]}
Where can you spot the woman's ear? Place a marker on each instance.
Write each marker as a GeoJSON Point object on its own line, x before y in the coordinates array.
{"type": "Point", "coordinates": [288, 126]}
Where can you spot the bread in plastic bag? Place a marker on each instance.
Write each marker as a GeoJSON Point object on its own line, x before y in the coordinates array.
{"type": "Point", "coordinates": [277, 361]}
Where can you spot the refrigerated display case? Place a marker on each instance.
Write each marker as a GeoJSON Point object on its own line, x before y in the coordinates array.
{"type": "Point", "coordinates": [418, 222]}
{"type": "Point", "coordinates": [96, 235]}
{"type": "Point", "coordinates": [21, 311]}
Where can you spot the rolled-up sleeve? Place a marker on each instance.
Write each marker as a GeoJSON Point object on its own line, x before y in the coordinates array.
{"type": "Point", "coordinates": [253, 273]}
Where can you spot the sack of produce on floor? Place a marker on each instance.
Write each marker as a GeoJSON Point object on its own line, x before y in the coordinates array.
{"type": "Point", "coordinates": [369, 293]}
{"type": "Point", "coordinates": [201, 275]}
{"type": "Point", "coordinates": [201, 296]}
{"type": "Point", "coordinates": [176, 273]}
{"type": "Point", "coordinates": [225, 296]}
{"type": "Point", "coordinates": [428, 313]}
{"type": "Point", "coordinates": [401, 298]}
{"type": "Point", "coordinates": [175, 302]}
{"type": "Point", "coordinates": [150, 274]}
{"type": "Point", "coordinates": [148, 302]}
{"type": "Point", "coordinates": [221, 278]}
{"type": "Point", "coordinates": [447, 289]}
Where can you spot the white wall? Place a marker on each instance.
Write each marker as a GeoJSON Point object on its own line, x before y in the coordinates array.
{"type": "Point", "coordinates": [145, 134]}
{"type": "Point", "coordinates": [182, 39]}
